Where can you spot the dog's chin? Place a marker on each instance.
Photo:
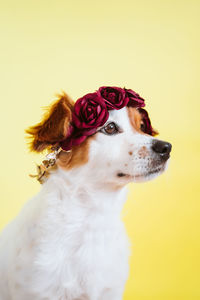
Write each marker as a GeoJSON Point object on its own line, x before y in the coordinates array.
{"type": "Point", "coordinates": [150, 174]}
{"type": "Point", "coordinates": [145, 175]}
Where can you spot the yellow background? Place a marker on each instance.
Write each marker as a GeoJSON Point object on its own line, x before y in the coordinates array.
{"type": "Point", "coordinates": [149, 46]}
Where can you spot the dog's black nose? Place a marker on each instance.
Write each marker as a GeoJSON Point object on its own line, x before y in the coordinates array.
{"type": "Point", "coordinates": [162, 148]}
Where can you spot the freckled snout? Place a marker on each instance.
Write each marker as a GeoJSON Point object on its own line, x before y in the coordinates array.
{"type": "Point", "coordinates": [162, 148]}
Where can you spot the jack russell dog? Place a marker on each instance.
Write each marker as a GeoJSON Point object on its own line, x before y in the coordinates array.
{"type": "Point", "coordinates": [69, 242]}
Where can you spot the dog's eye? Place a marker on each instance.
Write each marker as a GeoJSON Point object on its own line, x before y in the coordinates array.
{"type": "Point", "coordinates": [110, 128]}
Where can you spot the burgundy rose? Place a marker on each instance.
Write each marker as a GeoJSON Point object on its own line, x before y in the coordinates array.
{"type": "Point", "coordinates": [147, 123]}
{"type": "Point", "coordinates": [90, 112]}
{"type": "Point", "coordinates": [114, 97]}
{"type": "Point", "coordinates": [134, 99]}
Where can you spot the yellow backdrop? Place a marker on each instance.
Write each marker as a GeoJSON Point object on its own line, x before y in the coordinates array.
{"type": "Point", "coordinates": [149, 46]}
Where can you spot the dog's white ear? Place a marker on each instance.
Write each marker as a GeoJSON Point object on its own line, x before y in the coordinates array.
{"type": "Point", "coordinates": [54, 125]}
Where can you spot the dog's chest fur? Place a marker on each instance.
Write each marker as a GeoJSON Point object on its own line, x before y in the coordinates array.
{"type": "Point", "coordinates": [67, 245]}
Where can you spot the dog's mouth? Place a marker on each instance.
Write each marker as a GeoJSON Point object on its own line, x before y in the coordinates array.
{"type": "Point", "coordinates": [147, 174]}
{"type": "Point", "coordinates": [152, 172]}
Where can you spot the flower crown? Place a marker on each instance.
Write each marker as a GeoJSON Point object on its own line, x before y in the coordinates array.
{"type": "Point", "coordinates": [92, 111]}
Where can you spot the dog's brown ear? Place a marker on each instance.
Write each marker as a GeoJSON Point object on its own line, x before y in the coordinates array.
{"type": "Point", "coordinates": [54, 125]}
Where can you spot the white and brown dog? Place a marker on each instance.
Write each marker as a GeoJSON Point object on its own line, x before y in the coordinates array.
{"type": "Point", "coordinates": [69, 241]}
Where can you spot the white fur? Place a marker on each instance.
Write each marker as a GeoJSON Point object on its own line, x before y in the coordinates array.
{"type": "Point", "coordinates": [69, 242]}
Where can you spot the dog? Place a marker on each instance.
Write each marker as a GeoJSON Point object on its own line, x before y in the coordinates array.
{"type": "Point", "coordinates": [68, 242]}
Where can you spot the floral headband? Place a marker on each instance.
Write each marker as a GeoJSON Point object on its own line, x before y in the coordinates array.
{"type": "Point", "coordinates": [92, 111]}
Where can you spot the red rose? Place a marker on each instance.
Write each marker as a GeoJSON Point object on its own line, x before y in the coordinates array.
{"type": "Point", "coordinates": [134, 99]}
{"type": "Point", "coordinates": [90, 112]}
{"type": "Point", "coordinates": [114, 97]}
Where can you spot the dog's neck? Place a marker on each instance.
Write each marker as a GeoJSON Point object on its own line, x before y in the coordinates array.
{"type": "Point", "coordinates": [73, 189]}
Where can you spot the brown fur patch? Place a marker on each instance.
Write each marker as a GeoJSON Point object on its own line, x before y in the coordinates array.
{"type": "Point", "coordinates": [143, 152]}
{"type": "Point", "coordinates": [77, 157]}
{"type": "Point", "coordinates": [54, 125]}
{"type": "Point", "coordinates": [135, 118]}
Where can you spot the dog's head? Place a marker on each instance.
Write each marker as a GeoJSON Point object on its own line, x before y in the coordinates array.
{"type": "Point", "coordinates": [118, 152]}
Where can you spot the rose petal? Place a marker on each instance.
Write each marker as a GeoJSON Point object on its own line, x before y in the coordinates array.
{"type": "Point", "coordinates": [91, 117]}
{"type": "Point", "coordinates": [98, 109]}
{"type": "Point", "coordinates": [103, 118]}
{"type": "Point", "coordinates": [88, 132]}
{"type": "Point", "coordinates": [78, 140]}
{"type": "Point", "coordinates": [135, 99]}
{"type": "Point", "coordinates": [92, 122]}
{"type": "Point", "coordinates": [76, 121]}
